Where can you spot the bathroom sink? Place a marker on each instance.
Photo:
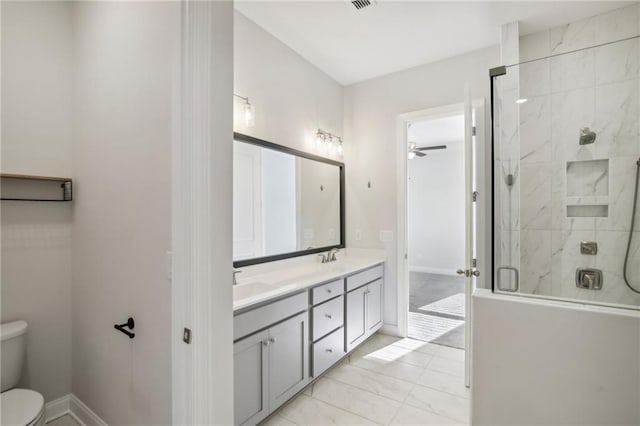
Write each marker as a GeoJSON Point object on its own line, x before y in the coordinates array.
{"type": "Point", "coordinates": [244, 291]}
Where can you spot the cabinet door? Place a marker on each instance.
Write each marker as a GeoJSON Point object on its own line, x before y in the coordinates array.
{"type": "Point", "coordinates": [250, 379]}
{"type": "Point", "coordinates": [356, 324]}
{"type": "Point", "coordinates": [374, 306]}
{"type": "Point", "coordinates": [288, 359]}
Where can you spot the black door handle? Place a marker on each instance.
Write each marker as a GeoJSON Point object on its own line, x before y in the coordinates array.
{"type": "Point", "coordinates": [129, 324]}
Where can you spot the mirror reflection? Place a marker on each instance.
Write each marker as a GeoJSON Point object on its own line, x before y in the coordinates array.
{"type": "Point", "coordinates": [282, 203]}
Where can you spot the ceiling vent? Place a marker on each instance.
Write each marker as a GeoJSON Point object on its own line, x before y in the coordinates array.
{"type": "Point", "coordinates": [362, 4]}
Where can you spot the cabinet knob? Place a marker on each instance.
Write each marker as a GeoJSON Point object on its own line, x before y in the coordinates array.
{"type": "Point", "coordinates": [329, 350]}
{"type": "Point", "coordinates": [328, 290]}
{"type": "Point", "coordinates": [265, 343]}
{"type": "Point", "coordinates": [272, 339]}
{"type": "Point", "coordinates": [328, 315]}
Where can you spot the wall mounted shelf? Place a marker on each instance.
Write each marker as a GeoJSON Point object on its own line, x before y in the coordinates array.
{"type": "Point", "coordinates": [15, 184]}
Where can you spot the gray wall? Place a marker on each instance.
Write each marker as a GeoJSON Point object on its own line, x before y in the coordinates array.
{"type": "Point", "coordinates": [292, 98]}
{"type": "Point", "coordinates": [36, 237]}
{"type": "Point", "coordinates": [371, 119]}
{"type": "Point", "coordinates": [122, 211]}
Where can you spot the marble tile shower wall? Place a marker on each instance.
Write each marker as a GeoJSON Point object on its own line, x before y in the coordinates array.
{"type": "Point", "coordinates": [584, 74]}
{"type": "Point", "coordinates": [507, 162]}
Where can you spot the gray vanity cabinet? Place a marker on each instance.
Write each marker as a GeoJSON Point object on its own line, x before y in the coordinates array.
{"type": "Point", "coordinates": [288, 359]}
{"type": "Point", "coordinates": [280, 344]}
{"type": "Point", "coordinates": [249, 379]}
{"type": "Point", "coordinates": [356, 317]}
{"type": "Point", "coordinates": [364, 306]}
{"type": "Point", "coordinates": [269, 368]}
{"type": "Point", "coordinates": [374, 306]}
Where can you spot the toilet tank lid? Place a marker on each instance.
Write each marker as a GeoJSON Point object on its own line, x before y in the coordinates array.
{"type": "Point", "coordinates": [12, 329]}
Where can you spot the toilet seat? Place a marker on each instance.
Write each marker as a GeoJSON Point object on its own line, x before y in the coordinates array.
{"type": "Point", "coordinates": [21, 407]}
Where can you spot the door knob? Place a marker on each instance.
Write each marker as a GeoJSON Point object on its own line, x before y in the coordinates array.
{"type": "Point", "coordinates": [475, 273]}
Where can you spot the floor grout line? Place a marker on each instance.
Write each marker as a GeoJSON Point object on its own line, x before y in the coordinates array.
{"type": "Point", "coordinates": [360, 389]}
{"type": "Point", "coordinates": [345, 410]}
{"type": "Point", "coordinates": [374, 374]}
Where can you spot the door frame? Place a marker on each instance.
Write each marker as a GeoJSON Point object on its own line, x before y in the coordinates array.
{"type": "Point", "coordinates": [200, 261]}
{"type": "Point", "coordinates": [483, 255]}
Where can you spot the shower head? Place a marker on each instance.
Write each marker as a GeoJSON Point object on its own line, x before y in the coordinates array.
{"type": "Point", "coordinates": [587, 136]}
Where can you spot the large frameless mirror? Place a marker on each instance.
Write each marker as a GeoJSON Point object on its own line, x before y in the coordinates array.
{"type": "Point", "coordinates": [286, 203]}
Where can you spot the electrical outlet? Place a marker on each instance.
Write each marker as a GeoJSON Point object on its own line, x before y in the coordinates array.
{"type": "Point", "coordinates": [358, 235]}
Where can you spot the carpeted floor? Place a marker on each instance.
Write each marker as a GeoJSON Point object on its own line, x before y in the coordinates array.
{"type": "Point", "coordinates": [436, 309]}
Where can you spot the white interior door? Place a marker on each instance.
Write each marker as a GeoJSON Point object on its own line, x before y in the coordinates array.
{"type": "Point", "coordinates": [469, 271]}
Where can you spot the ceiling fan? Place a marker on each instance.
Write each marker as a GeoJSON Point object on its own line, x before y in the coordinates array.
{"type": "Point", "coordinates": [415, 151]}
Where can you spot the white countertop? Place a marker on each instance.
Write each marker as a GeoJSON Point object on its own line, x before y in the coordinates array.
{"type": "Point", "coordinates": [262, 287]}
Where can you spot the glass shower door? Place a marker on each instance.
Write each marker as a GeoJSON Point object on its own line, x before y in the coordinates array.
{"type": "Point", "coordinates": [566, 146]}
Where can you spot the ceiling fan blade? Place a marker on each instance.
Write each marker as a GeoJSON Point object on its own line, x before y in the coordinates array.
{"type": "Point", "coordinates": [419, 154]}
{"type": "Point", "coordinates": [427, 148]}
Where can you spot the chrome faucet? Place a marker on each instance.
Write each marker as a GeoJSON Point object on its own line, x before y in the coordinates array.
{"type": "Point", "coordinates": [330, 256]}
{"type": "Point", "coordinates": [235, 273]}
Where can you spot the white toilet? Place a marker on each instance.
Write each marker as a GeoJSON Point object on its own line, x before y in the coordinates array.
{"type": "Point", "coordinates": [19, 407]}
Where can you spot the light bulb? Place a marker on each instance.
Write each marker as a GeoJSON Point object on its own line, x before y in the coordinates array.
{"type": "Point", "coordinates": [340, 149]}
{"type": "Point", "coordinates": [411, 155]}
{"type": "Point", "coordinates": [331, 146]}
{"type": "Point", "coordinates": [249, 114]}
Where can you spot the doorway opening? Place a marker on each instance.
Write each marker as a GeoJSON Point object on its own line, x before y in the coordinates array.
{"type": "Point", "coordinates": [436, 228]}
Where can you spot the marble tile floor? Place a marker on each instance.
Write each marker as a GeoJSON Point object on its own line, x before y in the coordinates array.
{"type": "Point", "coordinates": [386, 381]}
{"type": "Point", "coordinates": [65, 420]}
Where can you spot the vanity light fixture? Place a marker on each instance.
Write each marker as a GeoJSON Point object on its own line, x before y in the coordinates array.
{"type": "Point", "coordinates": [329, 143]}
{"type": "Point", "coordinates": [248, 111]}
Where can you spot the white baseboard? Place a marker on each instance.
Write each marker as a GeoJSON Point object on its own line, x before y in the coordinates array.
{"type": "Point", "coordinates": [56, 408]}
{"type": "Point", "coordinates": [429, 270]}
{"type": "Point", "coordinates": [72, 406]}
{"type": "Point", "coordinates": [390, 330]}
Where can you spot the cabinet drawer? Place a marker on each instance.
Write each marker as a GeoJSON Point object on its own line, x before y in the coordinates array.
{"type": "Point", "coordinates": [327, 291]}
{"type": "Point", "coordinates": [328, 351]}
{"type": "Point", "coordinates": [327, 317]}
{"type": "Point", "coordinates": [259, 318]}
{"type": "Point", "coordinates": [361, 278]}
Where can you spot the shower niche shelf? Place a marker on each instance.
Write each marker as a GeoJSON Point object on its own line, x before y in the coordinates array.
{"type": "Point", "coordinates": [588, 178]}
{"type": "Point", "coordinates": [588, 210]}
{"type": "Point", "coordinates": [19, 187]}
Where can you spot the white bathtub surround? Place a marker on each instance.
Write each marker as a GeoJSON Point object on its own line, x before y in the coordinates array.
{"type": "Point", "coordinates": [71, 411]}
{"type": "Point", "coordinates": [389, 381]}
{"type": "Point", "coordinates": [261, 283]}
{"type": "Point", "coordinates": [543, 362]}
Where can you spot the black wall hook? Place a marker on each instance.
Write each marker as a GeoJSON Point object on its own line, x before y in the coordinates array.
{"type": "Point", "coordinates": [129, 324]}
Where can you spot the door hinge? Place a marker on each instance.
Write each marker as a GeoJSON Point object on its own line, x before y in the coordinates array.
{"type": "Point", "coordinates": [473, 130]}
{"type": "Point", "coordinates": [474, 262]}
{"type": "Point", "coordinates": [186, 335]}
{"type": "Point", "coordinates": [474, 195]}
